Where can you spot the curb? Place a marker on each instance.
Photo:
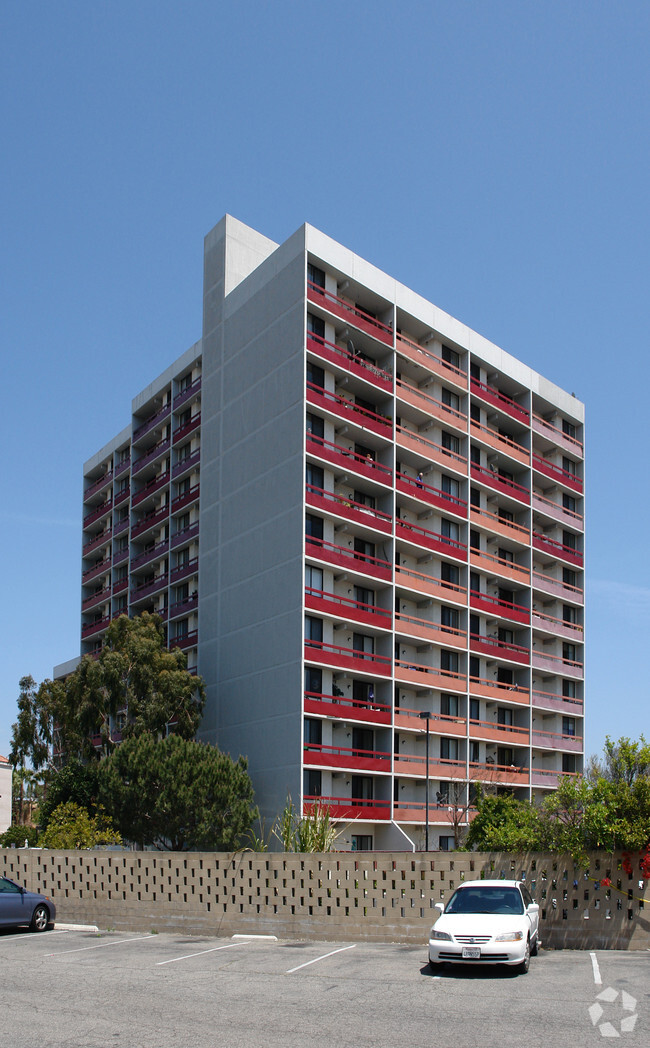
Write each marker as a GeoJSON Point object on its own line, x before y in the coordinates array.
{"type": "Point", "coordinates": [76, 927]}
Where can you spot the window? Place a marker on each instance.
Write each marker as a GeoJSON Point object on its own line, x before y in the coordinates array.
{"type": "Point", "coordinates": [314, 527]}
{"type": "Point", "coordinates": [364, 596]}
{"type": "Point", "coordinates": [181, 593]}
{"type": "Point", "coordinates": [505, 514]}
{"type": "Point", "coordinates": [313, 631]}
{"type": "Point", "coordinates": [505, 676]}
{"type": "Point", "coordinates": [451, 400]}
{"type": "Point", "coordinates": [315, 275]}
{"type": "Point", "coordinates": [569, 577]}
{"type": "Point", "coordinates": [446, 843]}
{"type": "Point", "coordinates": [475, 413]}
{"type": "Point", "coordinates": [569, 614]}
{"type": "Point", "coordinates": [474, 539]}
{"type": "Point", "coordinates": [313, 680]}
{"type": "Point", "coordinates": [568, 652]}
{"type": "Point", "coordinates": [475, 582]}
{"type": "Point", "coordinates": [449, 573]}
{"type": "Point", "coordinates": [182, 628]}
{"type": "Point", "coordinates": [364, 500]}
{"type": "Point", "coordinates": [315, 425]}
{"type": "Point", "coordinates": [362, 787]}
{"type": "Point", "coordinates": [475, 372]}
{"type": "Point", "coordinates": [450, 442]}
{"type": "Point", "coordinates": [315, 375]}
{"type": "Point", "coordinates": [449, 749]}
{"type": "Point", "coordinates": [363, 741]}
{"type": "Point", "coordinates": [506, 596]}
{"type": "Point", "coordinates": [474, 667]}
{"type": "Point", "coordinates": [568, 465]}
{"type": "Point", "coordinates": [568, 502]}
{"type": "Point", "coordinates": [474, 752]}
{"type": "Point", "coordinates": [182, 522]}
{"type": "Point", "coordinates": [450, 486]}
{"type": "Point", "coordinates": [449, 529]}
{"type": "Point", "coordinates": [568, 428]}
{"type": "Point", "coordinates": [363, 644]}
{"type": "Point", "coordinates": [314, 477]}
{"type": "Point", "coordinates": [312, 783]}
{"type": "Point", "coordinates": [363, 548]}
{"type": "Point", "coordinates": [506, 554]}
{"type": "Point", "coordinates": [313, 578]}
{"type": "Point", "coordinates": [185, 382]}
{"type": "Point", "coordinates": [506, 636]}
{"type": "Point", "coordinates": [312, 732]}
{"type": "Point", "coordinates": [449, 705]}
{"type": "Point", "coordinates": [474, 625]}
{"type": "Point", "coordinates": [568, 726]}
{"type": "Point", "coordinates": [361, 842]}
{"type": "Point", "coordinates": [183, 558]}
{"type": "Point", "coordinates": [475, 498]}
{"type": "Point", "coordinates": [449, 617]}
{"type": "Point", "coordinates": [506, 756]}
{"type": "Point", "coordinates": [568, 689]}
{"type": "Point", "coordinates": [568, 763]}
{"type": "Point", "coordinates": [450, 356]}
{"type": "Point", "coordinates": [474, 709]}
{"type": "Point", "coordinates": [449, 661]}
{"type": "Point", "coordinates": [315, 325]}
{"type": "Point", "coordinates": [475, 455]}
{"type": "Point", "coordinates": [504, 717]}
{"type": "Point", "coordinates": [363, 692]}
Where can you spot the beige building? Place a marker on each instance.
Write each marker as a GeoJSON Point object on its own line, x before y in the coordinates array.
{"type": "Point", "coordinates": [5, 794]}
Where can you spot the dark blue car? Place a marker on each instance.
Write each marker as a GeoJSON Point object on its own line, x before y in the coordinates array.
{"type": "Point", "coordinates": [18, 906]}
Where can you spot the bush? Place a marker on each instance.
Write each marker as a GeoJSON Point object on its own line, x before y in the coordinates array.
{"type": "Point", "coordinates": [17, 835]}
{"type": "Point", "coordinates": [71, 826]}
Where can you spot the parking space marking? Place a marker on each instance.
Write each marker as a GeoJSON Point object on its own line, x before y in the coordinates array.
{"type": "Point", "coordinates": [30, 935]}
{"type": "Point", "coordinates": [341, 949]}
{"type": "Point", "coordinates": [101, 945]}
{"type": "Point", "coordinates": [200, 953]}
{"type": "Point", "coordinates": [594, 964]}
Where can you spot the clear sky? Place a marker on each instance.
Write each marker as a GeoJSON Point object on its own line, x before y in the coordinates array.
{"type": "Point", "coordinates": [493, 156]}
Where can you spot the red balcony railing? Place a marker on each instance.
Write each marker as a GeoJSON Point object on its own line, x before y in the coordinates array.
{"type": "Point", "coordinates": [152, 421]}
{"type": "Point", "coordinates": [149, 456]}
{"type": "Point", "coordinates": [347, 658]}
{"type": "Point", "coordinates": [97, 484]}
{"type": "Point", "coordinates": [187, 393]}
{"type": "Point", "coordinates": [499, 400]}
{"type": "Point", "coordinates": [503, 608]}
{"type": "Point", "coordinates": [346, 608]}
{"type": "Point", "coordinates": [329, 501]}
{"type": "Point", "coordinates": [155, 484]}
{"type": "Point", "coordinates": [344, 458]}
{"type": "Point", "coordinates": [420, 536]}
{"type": "Point", "coordinates": [182, 607]}
{"type": "Point", "coordinates": [183, 571]}
{"type": "Point", "coordinates": [343, 707]}
{"type": "Point", "coordinates": [349, 313]}
{"type": "Point", "coordinates": [353, 363]}
{"type": "Point", "coordinates": [433, 496]}
{"type": "Point", "coordinates": [557, 741]}
{"type": "Point", "coordinates": [563, 476]}
{"type": "Point", "coordinates": [557, 549]}
{"type": "Point", "coordinates": [188, 427]}
{"type": "Point", "coordinates": [346, 557]}
{"type": "Point", "coordinates": [149, 520]}
{"type": "Point", "coordinates": [154, 553]}
{"type": "Point", "coordinates": [321, 756]}
{"type": "Point", "coordinates": [97, 569]}
{"type": "Point", "coordinates": [185, 534]}
{"type": "Point", "coordinates": [97, 512]}
{"type": "Point", "coordinates": [121, 467]}
{"type": "Point", "coordinates": [498, 649]}
{"type": "Point", "coordinates": [359, 809]}
{"type": "Point", "coordinates": [153, 586]}
{"type": "Point", "coordinates": [97, 541]}
{"type": "Point", "coordinates": [348, 410]}
{"type": "Point", "coordinates": [500, 483]}
{"type": "Point", "coordinates": [186, 463]}
{"type": "Point", "coordinates": [430, 585]}
{"type": "Point", "coordinates": [96, 598]}
{"type": "Point", "coordinates": [187, 640]}
{"type": "Point", "coordinates": [186, 499]}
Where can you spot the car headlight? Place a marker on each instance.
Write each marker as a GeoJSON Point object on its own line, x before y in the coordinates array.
{"type": "Point", "coordinates": [440, 935]}
{"type": "Point", "coordinates": [509, 937]}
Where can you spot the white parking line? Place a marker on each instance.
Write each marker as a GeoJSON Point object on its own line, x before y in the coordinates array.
{"type": "Point", "coordinates": [594, 964]}
{"type": "Point", "coordinates": [101, 945]}
{"type": "Point", "coordinates": [30, 935]}
{"type": "Point", "coordinates": [321, 958]}
{"type": "Point", "coordinates": [200, 953]}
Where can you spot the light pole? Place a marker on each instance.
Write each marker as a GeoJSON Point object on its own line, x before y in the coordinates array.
{"type": "Point", "coordinates": [427, 717]}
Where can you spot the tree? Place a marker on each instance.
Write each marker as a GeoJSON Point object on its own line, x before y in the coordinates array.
{"type": "Point", "coordinates": [626, 761]}
{"type": "Point", "coordinates": [75, 782]}
{"type": "Point", "coordinates": [177, 794]}
{"type": "Point", "coordinates": [71, 826]}
{"type": "Point", "coordinates": [30, 736]}
{"type": "Point", "coordinates": [134, 678]}
{"type": "Point", "coordinates": [503, 823]}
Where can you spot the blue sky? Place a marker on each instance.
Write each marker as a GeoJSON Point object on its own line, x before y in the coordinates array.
{"type": "Point", "coordinates": [493, 156]}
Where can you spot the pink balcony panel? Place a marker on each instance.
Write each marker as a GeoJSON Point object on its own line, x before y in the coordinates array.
{"type": "Point", "coordinates": [549, 624]}
{"type": "Point", "coordinates": [556, 741]}
{"type": "Point", "coordinates": [433, 363]}
{"type": "Point", "coordinates": [410, 440]}
{"type": "Point", "coordinates": [499, 400]}
{"type": "Point", "coordinates": [558, 512]}
{"type": "Point", "coordinates": [353, 364]}
{"type": "Point", "coordinates": [563, 440]}
{"type": "Point", "coordinates": [556, 587]}
{"type": "Point", "coordinates": [548, 700]}
{"type": "Point", "coordinates": [556, 664]}
{"type": "Point", "coordinates": [349, 313]}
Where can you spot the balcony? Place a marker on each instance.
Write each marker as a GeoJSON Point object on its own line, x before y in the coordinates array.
{"type": "Point", "coordinates": [556, 741]}
{"type": "Point", "coordinates": [350, 412]}
{"type": "Point", "coordinates": [548, 777]}
{"type": "Point", "coordinates": [548, 508]}
{"type": "Point", "coordinates": [185, 535]}
{"type": "Point", "coordinates": [349, 313]}
{"type": "Point", "coordinates": [355, 809]}
{"type": "Point", "coordinates": [540, 660]}
{"type": "Point", "coordinates": [186, 498]}
{"type": "Point", "coordinates": [121, 525]}
{"type": "Point", "coordinates": [558, 627]}
{"type": "Point", "coordinates": [152, 422]}
{"type": "Point", "coordinates": [493, 396]}
{"type": "Point", "coordinates": [431, 586]}
{"type": "Point", "coordinates": [413, 441]}
{"type": "Point", "coordinates": [501, 774]}
{"type": "Point", "coordinates": [347, 558]}
{"type": "Point", "coordinates": [429, 407]}
{"type": "Point", "coordinates": [122, 467]}
{"type": "Point", "coordinates": [433, 632]}
{"type": "Point", "coordinates": [549, 700]}
{"type": "Point", "coordinates": [97, 569]}
{"type": "Point", "coordinates": [495, 691]}
{"type": "Point", "coordinates": [151, 455]}
{"type": "Point", "coordinates": [145, 589]}
{"type": "Point", "coordinates": [408, 672]}
{"type": "Point", "coordinates": [414, 765]}
{"type": "Point", "coordinates": [97, 512]}
{"type": "Point", "coordinates": [187, 393]}
{"type": "Point", "coordinates": [90, 628]}
{"type": "Point", "coordinates": [556, 587]}
{"type": "Point", "coordinates": [96, 598]}
{"type": "Point", "coordinates": [492, 479]}
{"type": "Point", "coordinates": [188, 640]}
{"type": "Point", "coordinates": [316, 755]}
{"type": "Point", "coordinates": [184, 571]}
{"type": "Point", "coordinates": [346, 609]}
{"type": "Point", "coordinates": [415, 811]}
{"type": "Point", "coordinates": [343, 708]}
{"type": "Point", "coordinates": [416, 535]}
{"type": "Point", "coordinates": [357, 512]}
{"type": "Point", "coordinates": [440, 723]}
{"type": "Point", "coordinates": [505, 734]}
{"type": "Point", "coordinates": [557, 473]}
{"type": "Point", "coordinates": [155, 553]}
{"type": "Point", "coordinates": [496, 525]}
{"type": "Point", "coordinates": [150, 520]}
{"type": "Point", "coordinates": [97, 542]}
{"type": "Point", "coordinates": [557, 550]}
{"type": "Point", "coordinates": [120, 585]}
{"type": "Point", "coordinates": [97, 485]}
{"type": "Point", "coordinates": [433, 363]}
{"type": "Point", "coordinates": [349, 362]}
{"type": "Point", "coordinates": [188, 427]}
{"type": "Point", "coordinates": [503, 444]}
{"type": "Point", "coordinates": [432, 496]}
{"type": "Point", "coordinates": [182, 607]}
{"type": "Point", "coordinates": [348, 461]}
{"type": "Point", "coordinates": [153, 485]}
{"type": "Point", "coordinates": [322, 653]}
{"type": "Point", "coordinates": [501, 566]}
{"type": "Point", "coordinates": [501, 608]}
{"type": "Point", "coordinates": [122, 495]}
{"type": "Point", "coordinates": [563, 440]}
{"type": "Point", "coordinates": [498, 649]}
{"type": "Point", "coordinates": [187, 463]}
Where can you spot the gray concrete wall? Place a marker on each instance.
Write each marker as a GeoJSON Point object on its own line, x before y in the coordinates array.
{"type": "Point", "coordinates": [344, 896]}
{"type": "Point", "coordinates": [252, 483]}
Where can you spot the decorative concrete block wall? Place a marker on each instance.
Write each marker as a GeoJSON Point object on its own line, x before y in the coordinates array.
{"type": "Point", "coordinates": [346, 896]}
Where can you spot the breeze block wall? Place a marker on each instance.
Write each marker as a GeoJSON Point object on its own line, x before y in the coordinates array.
{"type": "Point", "coordinates": [344, 896]}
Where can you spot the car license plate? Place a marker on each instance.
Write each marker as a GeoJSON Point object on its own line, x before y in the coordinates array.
{"type": "Point", "coordinates": [471, 953]}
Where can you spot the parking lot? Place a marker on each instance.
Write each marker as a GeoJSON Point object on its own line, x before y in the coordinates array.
{"type": "Point", "coordinates": [79, 989]}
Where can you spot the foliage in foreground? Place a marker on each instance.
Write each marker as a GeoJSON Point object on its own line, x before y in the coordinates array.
{"type": "Point", "coordinates": [313, 832]}
{"type": "Point", "coordinates": [177, 794]}
{"type": "Point", "coordinates": [16, 836]}
{"type": "Point", "coordinates": [71, 826]}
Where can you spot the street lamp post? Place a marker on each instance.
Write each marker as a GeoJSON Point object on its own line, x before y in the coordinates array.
{"type": "Point", "coordinates": [427, 717]}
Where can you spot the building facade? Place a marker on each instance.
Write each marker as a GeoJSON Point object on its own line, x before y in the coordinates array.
{"type": "Point", "coordinates": [363, 522]}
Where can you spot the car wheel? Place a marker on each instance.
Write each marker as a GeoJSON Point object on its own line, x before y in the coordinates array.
{"type": "Point", "coordinates": [525, 964]}
{"type": "Point", "coordinates": [40, 919]}
{"type": "Point", "coordinates": [534, 948]}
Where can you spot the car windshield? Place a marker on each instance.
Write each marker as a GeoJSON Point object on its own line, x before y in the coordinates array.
{"type": "Point", "coordinates": [486, 900]}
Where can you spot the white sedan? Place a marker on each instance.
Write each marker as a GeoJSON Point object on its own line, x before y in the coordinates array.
{"type": "Point", "coordinates": [486, 922]}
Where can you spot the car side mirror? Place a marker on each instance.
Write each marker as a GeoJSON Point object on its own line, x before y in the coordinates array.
{"type": "Point", "coordinates": [534, 907]}
{"type": "Point", "coordinates": [440, 906]}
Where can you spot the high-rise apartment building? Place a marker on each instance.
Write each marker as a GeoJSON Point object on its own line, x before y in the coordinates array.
{"type": "Point", "coordinates": [363, 522]}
